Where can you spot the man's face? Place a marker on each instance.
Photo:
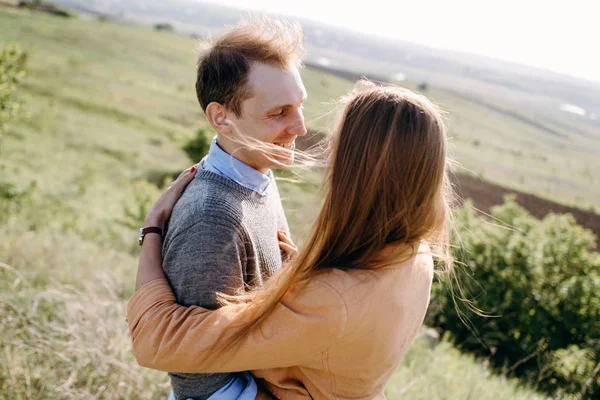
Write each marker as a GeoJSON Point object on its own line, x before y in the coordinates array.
{"type": "Point", "coordinates": [273, 115]}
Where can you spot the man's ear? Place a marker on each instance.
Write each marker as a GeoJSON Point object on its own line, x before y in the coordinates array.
{"type": "Point", "coordinates": [217, 117]}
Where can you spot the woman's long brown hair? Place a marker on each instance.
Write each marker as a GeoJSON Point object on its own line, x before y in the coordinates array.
{"type": "Point", "coordinates": [387, 186]}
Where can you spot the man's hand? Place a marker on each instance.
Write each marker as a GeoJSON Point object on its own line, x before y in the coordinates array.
{"type": "Point", "coordinates": [286, 244]}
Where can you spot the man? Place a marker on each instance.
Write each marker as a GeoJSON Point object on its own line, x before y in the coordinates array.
{"type": "Point", "coordinates": [222, 235]}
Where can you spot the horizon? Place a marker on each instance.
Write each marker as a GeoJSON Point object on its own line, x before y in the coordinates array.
{"type": "Point", "coordinates": [561, 41]}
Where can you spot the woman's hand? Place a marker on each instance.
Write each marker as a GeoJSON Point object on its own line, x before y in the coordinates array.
{"type": "Point", "coordinates": [162, 208]}
{"type": "Point", "coordinates": [286, 244]}
{"type": "Point", "coordinates": [150, 264]}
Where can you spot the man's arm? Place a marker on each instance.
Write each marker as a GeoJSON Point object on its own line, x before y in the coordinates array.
{"type": "Point", "coordinates": [203, 259]}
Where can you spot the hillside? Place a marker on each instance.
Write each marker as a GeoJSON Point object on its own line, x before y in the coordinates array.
{"type": "Point", "coordinates": [110, 107]}
{"type": "Point", "coordinates": [387, 57]}
{"type": "Point", "coordinates": [511, 125]}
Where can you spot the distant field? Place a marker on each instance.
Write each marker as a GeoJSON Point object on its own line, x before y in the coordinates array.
{"type": "Point", "coordinates": [539, 153]}
{"type": "Point", "coordinates": [549, 154]}
{"type": "Point", "coordinates": [518, 140]}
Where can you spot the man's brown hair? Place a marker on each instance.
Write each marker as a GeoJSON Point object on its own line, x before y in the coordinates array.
{"type": "Point", "coordinates": [224, 66]}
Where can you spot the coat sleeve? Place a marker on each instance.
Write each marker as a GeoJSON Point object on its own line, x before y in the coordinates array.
{"type": "Point", "coordinates": [170, 337]}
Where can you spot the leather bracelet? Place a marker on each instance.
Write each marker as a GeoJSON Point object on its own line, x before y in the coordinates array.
{"type": "Point", "coordinates": [147, 230]}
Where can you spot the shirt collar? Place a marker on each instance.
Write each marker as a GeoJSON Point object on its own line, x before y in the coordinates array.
{"type": "Point", "coordinates": [222, 163]}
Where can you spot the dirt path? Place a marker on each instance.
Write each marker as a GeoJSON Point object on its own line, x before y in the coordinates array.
{"type": "Point", "coordinates": [485, 195]}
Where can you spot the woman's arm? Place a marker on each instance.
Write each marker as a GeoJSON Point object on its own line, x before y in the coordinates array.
{"type": "Point", "coordinates": [173, 338]}
{"type": "Point", "coordinates": [150, 264]}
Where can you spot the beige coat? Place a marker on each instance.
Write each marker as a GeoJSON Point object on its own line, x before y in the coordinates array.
{"type": "Point", "coordinates": [341, 336]}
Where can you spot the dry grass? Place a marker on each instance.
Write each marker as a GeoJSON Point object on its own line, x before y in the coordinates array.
{"type": "Point", "coordinates": [63, 328]}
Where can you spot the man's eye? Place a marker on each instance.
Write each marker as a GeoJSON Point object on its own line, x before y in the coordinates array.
{"type": "Point", "coordinates": [278, 114]}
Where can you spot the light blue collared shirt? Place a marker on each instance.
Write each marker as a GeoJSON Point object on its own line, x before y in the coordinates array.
{"type": "Point", "coordinates": [242, 387]}
{"type": "Point", "coordinates": [219, 162]}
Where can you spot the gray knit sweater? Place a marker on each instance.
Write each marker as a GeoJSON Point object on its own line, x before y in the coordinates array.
{"type": "Point", "coordinates": [221, 236]}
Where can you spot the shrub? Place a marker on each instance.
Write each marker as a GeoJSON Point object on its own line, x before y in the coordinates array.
{"type": "Point", "coordinates": [198, 147]}
{"type": "Point", "coordinates": [14, 200]}
{"type": "Point", "coordinates": [539, 282]}
{"type": "Point", "coordinates": [45, 6]}
{"type": "Point", "coordinates": [12, 72]}
{"type": "Point", "coordinates": [163, 27]}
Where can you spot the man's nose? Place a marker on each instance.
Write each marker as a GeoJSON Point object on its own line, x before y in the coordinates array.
{"type": "Point", "coordinates": [297, 126]}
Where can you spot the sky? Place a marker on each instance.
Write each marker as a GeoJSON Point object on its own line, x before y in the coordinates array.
{"type": "Point", "coordinates": [561, 36]}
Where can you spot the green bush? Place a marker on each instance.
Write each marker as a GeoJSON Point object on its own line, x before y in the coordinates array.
{"type": "Point", "coordinates": [13, 200]}
{"type": "Point", "coordinates": [45, 6]}
{"type": "Point", "coordinates": [163, 27]}
{"type": "Point", "coordinates": [538, 281]}
{"type": "Point", "coordinates": [198, 147]}
{"type": "Point", "coordinates": [12, 72]}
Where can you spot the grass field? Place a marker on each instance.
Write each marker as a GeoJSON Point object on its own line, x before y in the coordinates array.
{"type": "Point", "coordinates": [110, 106]}
{"type": "Point", "coordinates": [523, 148]}
{"type": "Point", "coordinates": [62, 307]}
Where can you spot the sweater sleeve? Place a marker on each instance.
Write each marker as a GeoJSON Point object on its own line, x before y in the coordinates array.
{"type": "Point", "coordinates": [170, 337]}
{"type": "Point", "coordinates": [205, 258]}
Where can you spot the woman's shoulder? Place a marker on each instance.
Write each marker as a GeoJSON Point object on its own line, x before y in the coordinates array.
{"type": "Point", "coordinates": [323, 293]}
{"type": "Point", "coordinates": [317, 299]}
{"type": "Point", "coordinates": [339, 280]}
{"type": "Point", "coordinates": [407, 270]}
{"type": "Point", "coordinates": [336, 286]}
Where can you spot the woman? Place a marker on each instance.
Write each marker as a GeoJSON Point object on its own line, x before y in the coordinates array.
{"type": "Point", "coordinates": [335, 322]}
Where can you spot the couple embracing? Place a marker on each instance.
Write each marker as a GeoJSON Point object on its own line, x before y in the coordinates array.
{"type": "Point", "coordinates": [226, 303]}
